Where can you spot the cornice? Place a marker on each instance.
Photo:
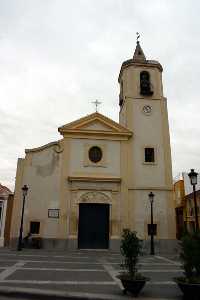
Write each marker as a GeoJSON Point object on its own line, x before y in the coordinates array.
{"type": "Point", "coordinates": [94, 179]}
{"type": "Point", "coordinates": [146, 64]}
{"type": "Point", "coordinates": [152, 188]}
{"type": "Point", "coordinates": [96, 133]}
{"type": "Point", "coordinates": [77, 127]}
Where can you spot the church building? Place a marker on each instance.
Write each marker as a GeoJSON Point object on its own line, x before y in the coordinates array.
{"type": "Point", "coordinates": [84, 189]}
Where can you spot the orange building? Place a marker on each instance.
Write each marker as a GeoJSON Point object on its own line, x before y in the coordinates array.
{"type": "Point", "coordinates": [190, 211]}
{"type": "Point", "coordinates": [180, 207]}
{"type": "Point", "coordinates": [184, 205]}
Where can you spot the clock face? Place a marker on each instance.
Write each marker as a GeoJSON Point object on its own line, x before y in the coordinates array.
{"type": "Point", "coordinates": [147, 109]}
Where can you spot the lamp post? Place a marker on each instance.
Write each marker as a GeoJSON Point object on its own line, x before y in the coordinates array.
{"type": "Point", "coordinates": [151, 198]}
{"type": "Point", "coordinates": [193, 180]}
{"type": "Point", "coordinates": [24, 192]}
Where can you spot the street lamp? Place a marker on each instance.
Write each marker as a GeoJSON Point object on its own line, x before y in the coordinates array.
{"type": "Point", "coordinates": [151, 197]}
{"type": "Point", "coordinates": [24, 192]}
{"type": "Point", "coordinates": [193, 180]}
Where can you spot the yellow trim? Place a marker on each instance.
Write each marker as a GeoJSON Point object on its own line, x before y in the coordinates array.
{"type": "Point", "coordinates": [162, 188]}
{"type": "Point", "coordinates": [75, 127]}
{"type": "Point", "coordinates": [64, 193]}
{"type": "Point", "coordinates": [96, 136]}
{"type": "Point", "coordinates": [92, 121]}
{"type": "Point", "coordinates": [95, 132]}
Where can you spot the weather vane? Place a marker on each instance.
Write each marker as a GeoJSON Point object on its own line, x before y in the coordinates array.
{"type": "Point", "coordinates": [138, 36]}
{"type": "Point", "coordinates": [96, 103]}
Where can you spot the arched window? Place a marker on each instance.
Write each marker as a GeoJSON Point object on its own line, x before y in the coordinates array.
{"type": "Point", "coordinates": [145, 84]}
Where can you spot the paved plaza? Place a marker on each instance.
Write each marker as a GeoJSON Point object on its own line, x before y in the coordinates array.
{"type": "Point", "coordinates": [85, 273]}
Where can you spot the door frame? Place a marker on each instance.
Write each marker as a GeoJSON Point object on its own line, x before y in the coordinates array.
{"type": "Point", "coordinates": [109, 215]}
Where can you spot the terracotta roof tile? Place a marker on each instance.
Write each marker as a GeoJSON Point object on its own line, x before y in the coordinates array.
{"type": "Point", "coordinates": [4, 190]}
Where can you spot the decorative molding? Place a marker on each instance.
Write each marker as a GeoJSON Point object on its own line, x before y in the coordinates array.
{"type": "Point", "coordinates": [139, 98]}
{"type": "Point", "coordinates": [94, 179]}
{"type": "Point", "coordinates": [147, 63]}
{"type": "Point", "coordinates": [119, 135]}
{"type": "Point", "coordinates": [57, 147]}
{"type": "Point", "coordinates": [152, 188]}
{"type": "Point", "coordinates": [77, 127]}
{"type": "Point", "coordinates": [93, 135]}
{"type": "Point", "coordinates": [91, 118]}
{"type": "Point", "coordinates": [94, 197]}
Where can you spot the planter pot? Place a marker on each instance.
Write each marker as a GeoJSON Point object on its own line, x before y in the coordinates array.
{"type": "Point", "coordinates": [190, 290]}
{"type": "Point", "coordinates": [132, 286]}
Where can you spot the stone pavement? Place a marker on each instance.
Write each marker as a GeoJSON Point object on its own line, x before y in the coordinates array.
{"type": "Point", "coordinates": [89, 274]}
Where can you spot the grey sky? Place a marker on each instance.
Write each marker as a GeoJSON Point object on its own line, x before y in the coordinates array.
{"type": "Point", "coordinates": [56, 56]}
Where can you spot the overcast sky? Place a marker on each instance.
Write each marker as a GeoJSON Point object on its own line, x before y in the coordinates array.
{"type": "Point", "coordinates": [56, 56]}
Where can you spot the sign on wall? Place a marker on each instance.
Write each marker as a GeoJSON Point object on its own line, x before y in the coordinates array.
{"type": "Point", "coordinates": [53, 213]}
{"type": "Point", "coordinates": [152, 229]}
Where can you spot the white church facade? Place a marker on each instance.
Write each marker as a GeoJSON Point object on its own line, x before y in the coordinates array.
{"type": "Point", "coordinates": [95, 181]}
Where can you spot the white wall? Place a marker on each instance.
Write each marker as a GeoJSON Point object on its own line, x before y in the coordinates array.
{"type": "Point", "coordinates": [148, 132]}
{"type": "Point", "coordinates": [42, 176]}
{"type": "Point", "coordinates": [79, 156]}
{"type": "Point", "coordinates": [2, 221]}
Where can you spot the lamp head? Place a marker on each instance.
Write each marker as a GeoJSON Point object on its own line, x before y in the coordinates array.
{"type": "Point", "coordinates": [25, 190]}
{"type": "Point", "coordinates": [151, 196]}
{"type": "Point", "coordinates": [193, 177]}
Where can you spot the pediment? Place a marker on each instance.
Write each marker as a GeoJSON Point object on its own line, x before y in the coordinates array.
{"type": "Point", "coordinates": [95, 123]}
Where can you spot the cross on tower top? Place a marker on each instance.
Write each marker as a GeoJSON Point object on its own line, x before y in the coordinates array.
{"type": "Point", "coordinates": [96, 103]}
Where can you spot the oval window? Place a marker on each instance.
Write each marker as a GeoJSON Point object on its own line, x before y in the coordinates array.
{"type": "Point", "coordinates": [95, 154]}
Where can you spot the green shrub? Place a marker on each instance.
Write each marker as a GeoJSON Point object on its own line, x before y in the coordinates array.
{"type": "Point", "coordinates": [130, 249]}
{"type": "Point", "coordinates": [190, 256]}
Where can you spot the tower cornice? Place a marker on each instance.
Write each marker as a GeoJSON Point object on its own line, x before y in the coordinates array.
{"type": "Point", "coordinates": [146, 63]}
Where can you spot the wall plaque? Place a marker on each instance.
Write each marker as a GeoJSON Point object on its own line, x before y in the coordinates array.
{"type": "Point", "coordinates": [53, 213]}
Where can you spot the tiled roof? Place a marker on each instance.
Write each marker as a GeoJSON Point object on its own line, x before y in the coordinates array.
{"type": "Point", "coordinates": [191, 196]}
{"type": "Point", "coordinates": [4, 190]}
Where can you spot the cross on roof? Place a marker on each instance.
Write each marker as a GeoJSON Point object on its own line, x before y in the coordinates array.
{"type": "Point", "coordinates": [96, 103]}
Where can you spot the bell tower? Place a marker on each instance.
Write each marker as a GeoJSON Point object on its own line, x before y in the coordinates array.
{"type": "Point", "coordinates": [146, 160]}
{"type": "Point", "coordinates": [139, 78]}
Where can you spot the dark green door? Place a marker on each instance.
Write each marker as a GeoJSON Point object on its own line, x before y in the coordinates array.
{"type": "Point", "coordinates": [93, 229]}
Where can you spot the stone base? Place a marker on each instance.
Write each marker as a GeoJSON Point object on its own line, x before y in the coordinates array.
{"type": "Point", "coordinates": [163, 246]}
{"type": "Point", "coordinates": [72, 244]}
{"type": "Point", "coordinates": [114, 245]}
{"type": "Point", "coordinates": [1, 242]}
{"type": "Point", "coordinates": [59, 244]}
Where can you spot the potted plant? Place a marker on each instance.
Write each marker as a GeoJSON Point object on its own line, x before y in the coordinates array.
{"type": "Point", "coordinates": [190, 256]}
{"type": "Point", "coordinates": [130, 249]}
